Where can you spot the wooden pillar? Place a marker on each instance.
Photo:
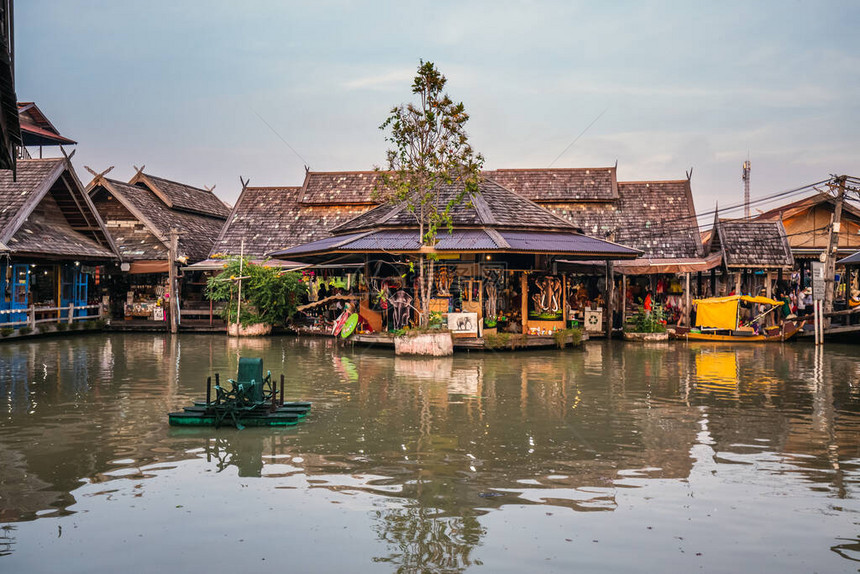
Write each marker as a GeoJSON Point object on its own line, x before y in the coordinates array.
{"type": "Point", "coordinates": [698, 283]}
{"type": "Point", "coordinates": [686, 317]}
{"type": "Point", "coordinates": [564, 313]}
{"type": "Point", "coordinates": [171, 281]}
{"type": "Point", "coordinates": [610, 294]}
{"type": "Point", "coordinates": [623, 300]}
{"type": "Point", "coordinates": [524, 301]}
{"type": "Point", "coordinates": [769, 285]}
{"type": "Point", "coordinates": [737, 283]}
{"type": "Point", "coordinates": [714, 282]}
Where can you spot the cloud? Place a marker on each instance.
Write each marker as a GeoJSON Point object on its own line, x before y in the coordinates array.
{"type": "Point", "coordinates": [382, 82]}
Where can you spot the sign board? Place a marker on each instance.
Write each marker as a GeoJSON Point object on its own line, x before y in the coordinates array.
{"type": "Point", "coordinates": [464, 324]}
{"type": "Point", "coordinates": [817, 280]}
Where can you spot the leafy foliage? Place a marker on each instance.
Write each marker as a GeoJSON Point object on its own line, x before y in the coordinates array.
{"type": "Point", "coordinates": [649, 322]}
{"type": "Point", "coordinates": [268, 294]}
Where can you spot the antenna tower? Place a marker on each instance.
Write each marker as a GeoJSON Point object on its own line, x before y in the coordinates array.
{"type": "Point", "coordinates": [746, 178]}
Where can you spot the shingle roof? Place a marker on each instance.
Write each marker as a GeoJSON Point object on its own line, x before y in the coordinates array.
{"type": "Point", "coordinates": [339, 188]}
{"type": "Point", "coordinates": [752, 244]}
{"type": "Point", "coordinates": [46, 232]}
{"type": "Point", "coordinates": [197, 232]}
{"type": "Point", "coordinates": [183, 197]}
{"type": "Point", "coordinates": [657, 217]}
{"type": "Point", "coordinates": [563, 184]}
{"type": "Point", "coordinates": [33, 174]}
{"type": "Point", "coordinates": [270, 218]}
{"type": "Point", "coordinates": [32, 220]}
{"type": "Point", "coordinates": [569, 243]}
{"type": "Point", "coordinates": [493, 206]}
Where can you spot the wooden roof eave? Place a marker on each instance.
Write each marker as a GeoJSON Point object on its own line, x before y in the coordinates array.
{"type": "Point", "coordinates": [150, 225]}
{"type": "Point", "coordinates": [141, 177]}
{"type": "Point", "coordinates": [32, 201]}
{"type": "Point", "coordinates": [92, 207]}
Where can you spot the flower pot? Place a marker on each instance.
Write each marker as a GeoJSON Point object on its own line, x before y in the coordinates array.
{"type": "Point", "coordinates": [434, 344]}
{"type": "Point", "coordinates": [253, 330]}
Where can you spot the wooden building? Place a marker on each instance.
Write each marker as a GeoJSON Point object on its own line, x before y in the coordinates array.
{"type": "Point", "coordinates": [56, 244]}
{"type": "Point", "coordinates": [496, 268]}
{"type": "Point", "coordinates": [807, 226]}
{"type": "Point", "coordinates": [755, 255]}
{"type": "Point", "coordinates": [10, 132]}
{"type": "Point", "coordinates": [141, 215]}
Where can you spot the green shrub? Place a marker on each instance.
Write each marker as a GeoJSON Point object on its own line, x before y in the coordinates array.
{"type": "Point", "coordinates": [268, 295]}
{"type": "Point", "coordinates": [6, 331]}
{"type": "Point", "coordinates": [25, 330]}
{"type": "Point", "coordinates": [62, 326]}
{"type": "Point", "coordinates": [561, 336]}
{"type": "Point", "coordinates": [645, 322]}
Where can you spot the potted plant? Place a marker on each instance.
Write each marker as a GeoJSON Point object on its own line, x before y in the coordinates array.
{"type": "Point", "coordinates": [269, 296]}
{"type": "Point", "coordinates": [647, 326]}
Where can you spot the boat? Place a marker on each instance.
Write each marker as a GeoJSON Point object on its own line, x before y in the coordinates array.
{"type": "Point", "coordinates": [718, 320]}
{"type": "Point", "coordinates": [252, 401]}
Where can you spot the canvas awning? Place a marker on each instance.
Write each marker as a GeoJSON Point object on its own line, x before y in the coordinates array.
{"type": "Point", "coordinates": [138, 267]}
{"type": "Point", "coordinates": [722, 312]}
{"type": "Point", "coordinates": [850, 260]}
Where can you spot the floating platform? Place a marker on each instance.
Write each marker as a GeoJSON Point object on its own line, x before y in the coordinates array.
{"type": "Point", "coordinates": [288, 414]}
{"type": "Point", "coordinates": [253, 401]}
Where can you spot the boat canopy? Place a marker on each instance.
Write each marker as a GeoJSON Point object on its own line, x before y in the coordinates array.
{"type": "Point", "coordinates": [722, 312]}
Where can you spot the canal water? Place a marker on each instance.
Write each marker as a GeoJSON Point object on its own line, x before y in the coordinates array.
{"type": "Point", "coordinates": [609, 458]}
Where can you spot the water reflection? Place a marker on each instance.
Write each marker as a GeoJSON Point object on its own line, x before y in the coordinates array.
{"type": "Point", "coordinates": [443, 442]}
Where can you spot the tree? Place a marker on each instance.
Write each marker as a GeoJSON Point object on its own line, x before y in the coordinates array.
{"type": "Point", "coordinates": [430, 150]}
{"type": "Point", "coordinates": [268, 294]}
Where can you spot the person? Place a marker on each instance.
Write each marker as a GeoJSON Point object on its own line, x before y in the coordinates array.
{"type": "Point", "coordinates": [648, 303]}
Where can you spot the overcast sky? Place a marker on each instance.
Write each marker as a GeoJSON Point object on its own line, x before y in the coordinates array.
{"type": "Point", "coordinates": [187, 88]}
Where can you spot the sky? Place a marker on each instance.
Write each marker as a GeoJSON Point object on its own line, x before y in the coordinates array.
{"type": "Point", "coordinates": [204, 92]}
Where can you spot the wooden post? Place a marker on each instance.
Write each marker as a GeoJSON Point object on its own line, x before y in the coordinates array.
{"type": "Point", "coordinates": [282, 388]}
{"type": "Point", "coordinates": [769, 285]}
{"type": "Point", "coordinates": [610, 293]}
{"type": "Point", "coordinates": [239, 301]}
{"type": "Point", "coordinates": [71, 313]}
{"type": "Point", "coordinates": [714, 282]}
{"type": "Point", "coordinates": [524, 301]}
{"type": "Point", "coordinates": [31, 317]}
{"type": "Point", "coordinates": [830, 254]}
{"type": "Point", "coordinates": [208, 390]}
{"type": "Point", "coordinates": [173, 301]}
{"type": "Point", "coordinates": [698, 283]}
{"type": "Point", "coordinates": [687, 304]}
{"type": "Point", "coordinates": [623, 300]}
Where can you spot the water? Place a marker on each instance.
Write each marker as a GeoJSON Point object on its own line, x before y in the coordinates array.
{"type": "Point", "coordinates": [612, 458]}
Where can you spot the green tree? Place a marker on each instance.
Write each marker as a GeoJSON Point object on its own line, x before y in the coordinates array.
{"type": "Point", "coordinates": [269, 295]}
{"type": "Point", "coordinates": [430, 149]}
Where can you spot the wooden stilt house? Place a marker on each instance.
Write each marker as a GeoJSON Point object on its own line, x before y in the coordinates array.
{"type": "Point", "coordinates": [142, 215]}
{"type": "Point", "coordinates": [56, 245]}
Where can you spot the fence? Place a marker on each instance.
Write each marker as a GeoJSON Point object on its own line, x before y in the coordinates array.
{"type": "Point", "coordinates": [37, 315]}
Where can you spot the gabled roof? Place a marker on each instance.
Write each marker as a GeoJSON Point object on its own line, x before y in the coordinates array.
{"type": "Point", "coordinates": [197, 232]}
{"type": "Point", "coordinates": [180, 196]}
{"type": "Point", "coordinates": [270, 218]}
{"type": "Point", "coordinates": [797, 207]}
{"type": "Point", "coordinates": [657, 217]}
{"type": "Point", "coordinates": [492, 206]}
{"type": "Point", "coordinates": [751, 244]}
{"type": "Point", "coordinates": [46, 211]}
{"type": "Point", "coordinates": [339, 188]}
{"type": "Point", "coordinates": [37, 129]}
{"type": "Point", "coordinates": [562, 184]}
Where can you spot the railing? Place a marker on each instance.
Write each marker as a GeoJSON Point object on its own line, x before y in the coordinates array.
{"type": "Point", "coordinates": [35, 315]}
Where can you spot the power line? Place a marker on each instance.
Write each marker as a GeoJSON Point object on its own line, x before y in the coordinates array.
{"type": "Point", "coordinates": [298, 155]}
{"type": "Point", "coordinates": [577, 137]}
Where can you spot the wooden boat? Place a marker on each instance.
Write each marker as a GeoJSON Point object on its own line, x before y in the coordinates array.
{"type": "Point", "coordinates": [252, 401]}
{"type": "Point", "coordinates": [717, 320]}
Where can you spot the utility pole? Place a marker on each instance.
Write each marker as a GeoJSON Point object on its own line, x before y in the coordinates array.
{"type": "Point", "coordinates": [830, 254]}
{"type": "Point", "coordinates": [746, 178]}
{"type": "Point", "coordinates": [173, 301]}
